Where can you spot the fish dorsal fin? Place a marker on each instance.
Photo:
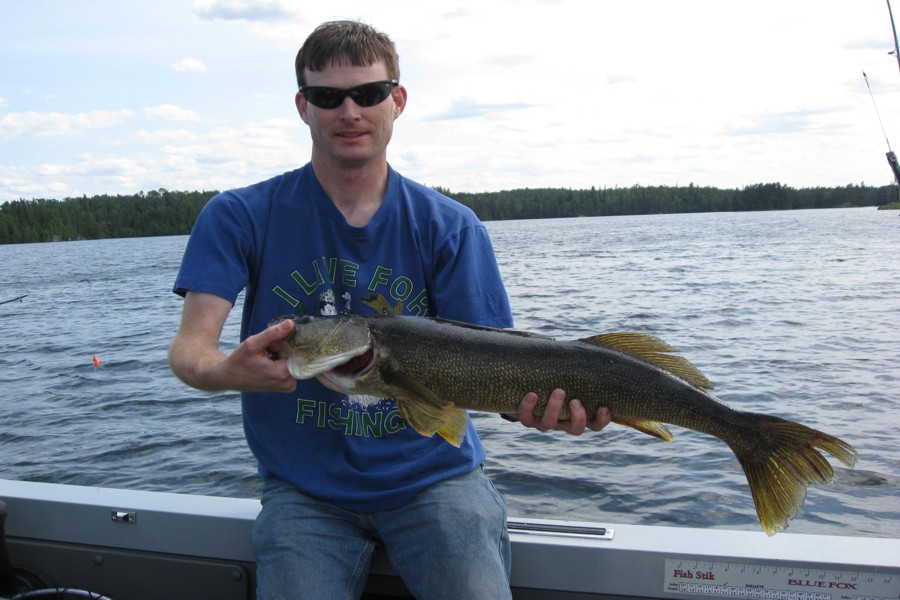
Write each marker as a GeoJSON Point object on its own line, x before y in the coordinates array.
{"type": "Point", "coordinates": [653, 350]}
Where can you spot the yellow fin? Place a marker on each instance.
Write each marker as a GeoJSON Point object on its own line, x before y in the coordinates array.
{"type": "Point", "coordinates": [653, 428]}
{"type": "Point", "coordinates": [655, 351]}
{"type": "Point", "coordinates": [427, 419]}
{"type": "Point", "coordinates": [455, 427]}
{"type": "Point", "coordinates": [425, 411]}
{"type": "Point", "coordinates": [781, 462]}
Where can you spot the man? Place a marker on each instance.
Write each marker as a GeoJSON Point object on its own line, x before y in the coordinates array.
{"type": "Point", "coordinates": [346, 233]}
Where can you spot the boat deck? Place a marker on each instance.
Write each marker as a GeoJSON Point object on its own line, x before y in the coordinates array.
{"type": "Point", "coordinates": [134, 545]}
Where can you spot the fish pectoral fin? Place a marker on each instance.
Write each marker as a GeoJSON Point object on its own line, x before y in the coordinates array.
{"type": "Point", "coordinates": [422, 416]}
{"type": "Point", "coordinates": [654, 428]}
{"type": "Point", "coordinates": [449, 422]}
{"type": "Point", "coordinates": [425, 411]}
{"type": "Point", "coordinates": [654, 351]}
{"type": "Point", "coordinates": [454, 428]}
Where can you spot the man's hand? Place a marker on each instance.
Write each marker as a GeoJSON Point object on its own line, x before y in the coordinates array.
{"type": "Point", "coordinates": [258, 364]}
{"type": "Point", "coordinates": [577, 422]}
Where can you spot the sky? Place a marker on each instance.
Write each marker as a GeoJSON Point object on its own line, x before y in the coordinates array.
{"type": "Point", "coordinates": [114, 97]}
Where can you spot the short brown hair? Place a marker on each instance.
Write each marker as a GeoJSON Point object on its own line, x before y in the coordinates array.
{"type": "Point", "coordinates": [353, 41]}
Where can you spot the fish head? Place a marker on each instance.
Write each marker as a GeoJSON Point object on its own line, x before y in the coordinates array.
{"type": "Point", "coordinates": [335, 350]}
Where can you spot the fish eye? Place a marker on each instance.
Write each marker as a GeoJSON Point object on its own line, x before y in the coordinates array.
{"type": "Point", "coordinates": [303, 319]}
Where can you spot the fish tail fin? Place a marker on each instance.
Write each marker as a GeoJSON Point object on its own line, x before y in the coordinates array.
{"type": "Point", "coordinates": [781, 462]}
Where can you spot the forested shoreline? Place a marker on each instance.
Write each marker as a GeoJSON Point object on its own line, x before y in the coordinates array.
{"type": "Point", "coordinates": [163, 212]}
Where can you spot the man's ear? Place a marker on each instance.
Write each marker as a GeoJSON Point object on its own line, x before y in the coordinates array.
{"type": "Point", "coordinates": [302, 107]}
{"type": "Point", "coordinates": [399, 97]}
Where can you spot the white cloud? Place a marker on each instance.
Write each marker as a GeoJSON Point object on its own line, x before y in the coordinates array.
{"type": "Point", "coordinates": [189, 65]}
{"type": "Point", "coordinates": [51, 124]}
{"type": "Point", "coordinates": [241, 10]}
{"type": "Point", "coordinates": [163, 136]}
{"type": "Point", "coordinates": [171, 112]}
{"type": "Point", "coordinates": [217, 158]}
{"type": "Point", "coordinates": [623, 93]}
{"type": "Point", "coordinates": [464, 108]}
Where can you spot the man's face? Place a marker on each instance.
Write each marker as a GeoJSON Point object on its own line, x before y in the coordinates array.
{"type": "Point", "coordinates": [350, 135]}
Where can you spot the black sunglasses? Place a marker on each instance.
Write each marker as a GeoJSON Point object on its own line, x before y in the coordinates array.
{"type": "Point", "coordinates": [367, 94]}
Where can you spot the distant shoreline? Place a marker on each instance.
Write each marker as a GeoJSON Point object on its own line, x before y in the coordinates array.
{"type": "Point", "coordinates": [163, 212]}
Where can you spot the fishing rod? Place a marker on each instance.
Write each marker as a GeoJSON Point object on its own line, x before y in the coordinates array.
{"type": "Point", "coordinates": [896, 52]}
{"type": "Point", "coordinates": [47, 289]}
{"type": "Point", "coordinates": [891, 157]}
{"type": "Point", "coordinates": [19, 298]}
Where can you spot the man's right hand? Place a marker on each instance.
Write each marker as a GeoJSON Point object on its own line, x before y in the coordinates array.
{"type": "Point", "coordinates": [258, 364]}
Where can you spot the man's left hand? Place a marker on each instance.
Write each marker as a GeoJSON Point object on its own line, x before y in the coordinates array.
{"type": "Point", "coordinates": [575, 425]}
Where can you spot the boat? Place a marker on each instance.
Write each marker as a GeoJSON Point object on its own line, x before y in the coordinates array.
{"type": "Point", "coordinates": [68, 542]}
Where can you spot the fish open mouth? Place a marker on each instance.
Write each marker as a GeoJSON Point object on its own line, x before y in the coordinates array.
{"type": "Point", "coordinates": [345, 363]}
{"type": "Point", "coordinates": [342, 376]}
{"type": "Point", "coordinates": [356, 366]}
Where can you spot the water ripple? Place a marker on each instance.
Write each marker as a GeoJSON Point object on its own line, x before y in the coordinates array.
{"type": "Point", "coordinates": [782, 314]}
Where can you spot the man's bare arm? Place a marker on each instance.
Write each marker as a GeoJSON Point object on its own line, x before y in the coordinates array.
{"type": "Point", "coordinates": [258, 364]}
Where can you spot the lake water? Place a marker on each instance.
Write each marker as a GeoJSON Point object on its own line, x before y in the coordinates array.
{"type": "Point", "coordinates": [790, 313]}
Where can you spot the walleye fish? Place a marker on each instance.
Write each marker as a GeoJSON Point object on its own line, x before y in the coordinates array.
{"type": "Point", "coordinates": [435, 369]}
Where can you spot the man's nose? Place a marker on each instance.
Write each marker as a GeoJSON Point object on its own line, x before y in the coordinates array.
{"type": "Point", "coordinates": [348, 108]}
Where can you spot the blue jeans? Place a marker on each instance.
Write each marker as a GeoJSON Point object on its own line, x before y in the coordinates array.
{"type": "Point", "coordinates": [449, 542]}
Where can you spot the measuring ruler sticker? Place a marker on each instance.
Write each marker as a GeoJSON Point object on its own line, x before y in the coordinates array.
{"type": "Point", "coordinates": [689, 577]}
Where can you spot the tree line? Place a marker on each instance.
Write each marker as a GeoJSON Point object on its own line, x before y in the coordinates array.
{"type": "Point", "coordinates": [158, 212]}
{"type": "Point", "coordinates": [164, 212]}
{"type": "Point", "coordinates": [640, 200]}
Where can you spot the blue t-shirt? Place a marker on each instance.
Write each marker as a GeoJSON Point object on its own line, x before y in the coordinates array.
{"type": "Point", "coordinates": [294, 252]}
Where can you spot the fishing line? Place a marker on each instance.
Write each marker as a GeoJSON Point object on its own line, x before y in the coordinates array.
{"type": "Point", "coordinates": [891, 157]}
{"type": "Point", "coordinates": [876, 111]}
